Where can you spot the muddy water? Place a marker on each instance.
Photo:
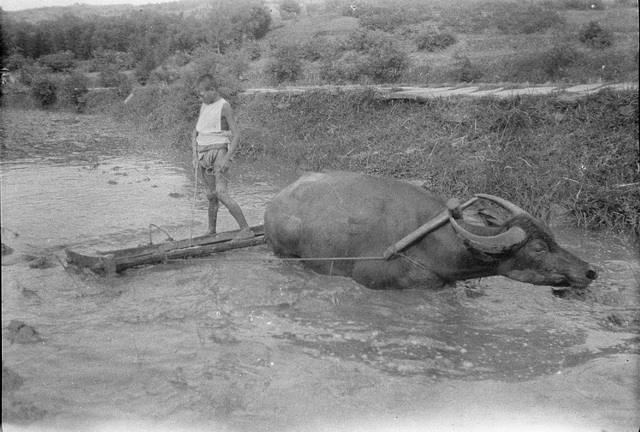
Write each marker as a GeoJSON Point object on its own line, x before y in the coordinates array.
{"type": "Point", "coordinates": [242, 341]}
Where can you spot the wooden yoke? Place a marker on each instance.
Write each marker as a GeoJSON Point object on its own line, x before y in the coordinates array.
{"type": "Point", "coordinates": [441, 218]}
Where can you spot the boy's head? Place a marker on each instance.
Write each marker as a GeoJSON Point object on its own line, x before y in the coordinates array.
{"type": "Point", "coordinates": [207, 89]}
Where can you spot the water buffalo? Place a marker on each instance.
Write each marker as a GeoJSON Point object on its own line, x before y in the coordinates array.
{"type": "Point", "coordinates": [349, 215]}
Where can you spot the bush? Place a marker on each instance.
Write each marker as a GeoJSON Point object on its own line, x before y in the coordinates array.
{"type": "Point", "coordinates": [58, 62]}
{"type": "Point", "coordinates": [595, 36]}
{"type": "Point", "coordinates": [107, 58]}
{"type": "Point", "coordinates": [467, 72]}
{"type": "Point", "coordinates": [380, 55]}
{"type": "Point", "coordinates": [290, 6]}
{"type": "Point", "coordinates": [43, 91]}
{"type": "Point", "coordinates": [16, 61]}
{"type": "Point", "coordinates": [583, 4]}
{"type": "Point", "coordinates": [539, 67]}
{"type": "Point", "coordinates": [383, 19]}
{"type": "Point", "coordinates": [285, 65]}
{"type": "Point", "coordinates": [253, 50]}
{"type": "Point", "coordinates": [73, 90]}
{"type": "Point", "coordinates": [317, 48]}
{"type": "Point", "coordinates": [29, 72]}
{"type": "Point", "coordinates": [432, 41]}
{"type": "Point", "coordinates": [112, 77]}
{"type": "Point", "coordinates": [145, 67]}
{"type": "Point", "coordinates": [349, 67]}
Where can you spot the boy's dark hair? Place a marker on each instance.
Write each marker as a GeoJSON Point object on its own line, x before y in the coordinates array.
{"type": "Point", "coordinates": [208, 81]}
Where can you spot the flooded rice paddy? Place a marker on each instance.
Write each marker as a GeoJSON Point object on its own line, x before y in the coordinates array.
{"type": "Point", "coordinates": [242, 341]}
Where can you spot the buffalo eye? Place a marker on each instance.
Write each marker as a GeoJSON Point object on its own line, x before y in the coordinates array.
{"type": "Point", "coordinates": [539, 247]}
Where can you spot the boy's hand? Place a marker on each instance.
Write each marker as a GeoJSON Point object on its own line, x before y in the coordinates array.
{"type": "Point", "coordinates": [224, 165]}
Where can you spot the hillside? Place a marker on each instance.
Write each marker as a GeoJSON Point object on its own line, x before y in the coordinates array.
{"type": "Point", "coordinates": [188, 7]}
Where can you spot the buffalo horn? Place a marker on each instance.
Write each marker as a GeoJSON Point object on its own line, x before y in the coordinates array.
{"type": "Point", "coordinates": [497, 244]}
{"type": "Point", "coordinates": [509, 206]}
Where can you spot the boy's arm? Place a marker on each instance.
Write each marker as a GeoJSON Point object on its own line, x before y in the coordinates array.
{"type": "Point", "coordinates": [234, 145]}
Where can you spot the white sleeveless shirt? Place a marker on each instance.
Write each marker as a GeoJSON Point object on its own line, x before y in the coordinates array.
{"type": "Point", "coordinates": [209, 127]}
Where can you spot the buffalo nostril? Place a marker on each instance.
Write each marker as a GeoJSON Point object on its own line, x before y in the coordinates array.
{"type": "Point", "coordinates": [591, 274]}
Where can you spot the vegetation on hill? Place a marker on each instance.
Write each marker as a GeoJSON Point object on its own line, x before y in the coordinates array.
{"type": "Point", "coordinates": [333, 42]}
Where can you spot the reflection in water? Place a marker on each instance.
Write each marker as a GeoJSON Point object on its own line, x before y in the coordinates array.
{"type": "Point", "coordinates": [245, 341]}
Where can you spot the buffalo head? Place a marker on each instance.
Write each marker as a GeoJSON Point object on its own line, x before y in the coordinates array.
{"type": "Point", "coordinates": [526, 250]}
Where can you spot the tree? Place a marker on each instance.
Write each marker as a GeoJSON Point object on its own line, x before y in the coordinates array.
{"type": "Point", "coordinates": [58, 62]}
{"type": "Point", "coordinates": [290, 6]}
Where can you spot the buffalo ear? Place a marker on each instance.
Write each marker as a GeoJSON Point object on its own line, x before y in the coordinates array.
{"type": "Point", "coordinates": [491, 245]}
{"type": "Point", "coordinates": [490, 217]}
{"type": "Point", "coordinates": [513, 209]}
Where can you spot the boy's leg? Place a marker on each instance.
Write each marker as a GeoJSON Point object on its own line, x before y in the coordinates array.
{"type": "Point", "coordinates": [210, 190]}
{"type": "Point", "coordinates": [232, 206]}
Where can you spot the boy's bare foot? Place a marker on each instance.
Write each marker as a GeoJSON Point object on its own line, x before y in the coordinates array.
{"type": "Point", "coordinates": [244, 234]}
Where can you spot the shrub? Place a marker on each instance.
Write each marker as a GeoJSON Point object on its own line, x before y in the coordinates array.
{"type": "Point", "coordinates": [73, 89]}
{"type": "Point", "coordinates": [285, 65]}
{"type": "Point", "coordinates": [543, 66]}
{"type": "Point", "coordinates": [58, 62]}
{"type": "Point", "coordinates": [112, 77]}
{"type": "Point", "coordinates": [107, 58]}
{"type": "Point", "coordinates": [253, 50]}
{"type": "Point", "coordinates": [29, 72]}
{"type": "Point", "coordinates": [583, 4]}
{"type": "Point", "coordinates": [384, 58]}
{"type": "Point", "coordinates": [43, 91]}
{"type": "Point", "coordinates": [467, 72]}
{"type": "Point", "coordinates": [15, 61]}
{"type": "Point", "coordinates": [432, 41]}
{"type": "Point", "coordinates": [145, 67]}
{"type": "Point", "coordinates": [595, 36]}
{"type": "Point", "coordinates": [384, 19]}
{"type": "Point", "coordinates": [290, 6]}
{"type": "Point", "coordinates": [349, 67]}
{"type": "Point", "coordinates": [316, 48]}
{"type": "Point", "coordinates": [366, 54]}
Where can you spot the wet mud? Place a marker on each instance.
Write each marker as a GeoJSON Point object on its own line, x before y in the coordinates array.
{"type": "Point", "coordinates": [242, 341]}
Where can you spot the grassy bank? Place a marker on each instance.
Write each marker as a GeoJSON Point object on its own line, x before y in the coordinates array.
{"type": "Point", "coordinates": [548, 155]}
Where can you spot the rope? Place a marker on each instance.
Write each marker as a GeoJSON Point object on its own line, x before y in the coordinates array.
{"type": "Point", "coordinates": [193, 203]}
{"type": "Point", "coordinates": [413, 261]}
{"type": "Point", "coordinates": [157, 227]}
{"type": "Point", "coordinates": [287, 259]}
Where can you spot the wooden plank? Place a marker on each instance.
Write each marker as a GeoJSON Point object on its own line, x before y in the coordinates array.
{"type": "Point", "coordinates": [178, 244]}
{"type": "Point", "coordinates": [158, 257]}
{"type": "Point", "coordinates": [110, 262]}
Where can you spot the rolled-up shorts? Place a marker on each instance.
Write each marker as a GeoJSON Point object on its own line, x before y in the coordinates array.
{"type": "Point", "coordinates": [209, 164]}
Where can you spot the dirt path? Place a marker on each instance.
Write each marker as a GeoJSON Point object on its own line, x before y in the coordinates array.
{"type": "Point", "coordinates": [425, 93]}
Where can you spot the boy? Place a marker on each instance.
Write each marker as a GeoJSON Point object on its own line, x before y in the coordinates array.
{"type": "Point", "coordinates": [213, 152]}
